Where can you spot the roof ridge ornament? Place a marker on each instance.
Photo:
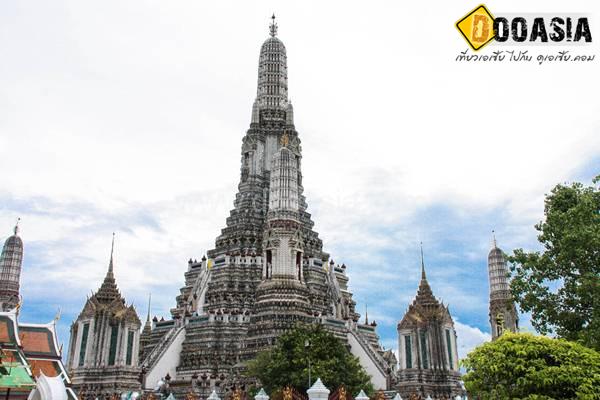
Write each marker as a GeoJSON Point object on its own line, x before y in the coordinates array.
{"type": "Point", "coordinates": [57, 316]}
{"type": "Point", "coordinates": [273, 27]}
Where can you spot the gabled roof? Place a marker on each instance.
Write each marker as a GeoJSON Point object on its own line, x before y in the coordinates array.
{"type": "Point", "coordinates": [40, 345]}
{"type": "Point", "coordinates": [39, 340]}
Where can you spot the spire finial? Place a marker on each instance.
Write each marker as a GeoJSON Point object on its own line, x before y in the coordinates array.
{"type": "Point", "coordinates": [494, 244]}
{"type": "Point", "coordinates": [423, 276]}
{"type": "Point", "coordinates": [273, 27]}
{"type": "Point", "coordinates": [149, 301]}
{"type": "Point", "coordinates": [16, 229]}
{"type": "Point", "coordinates": [366, 314]}
{"type": "Point", "coordinates": [112, 248]}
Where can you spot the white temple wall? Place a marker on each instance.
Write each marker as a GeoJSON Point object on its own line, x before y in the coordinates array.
{"type": "Point", "coordinates": [378, 379]}
{"type": "Point", "coordinates": [167, 363]}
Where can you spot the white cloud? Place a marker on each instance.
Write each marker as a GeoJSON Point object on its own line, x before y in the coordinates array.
{"type": "Point", "coordinates": [469, 337]}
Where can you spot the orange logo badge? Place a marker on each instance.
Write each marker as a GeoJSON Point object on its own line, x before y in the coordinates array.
{"type": "Point", "coordinates": [477, 27]}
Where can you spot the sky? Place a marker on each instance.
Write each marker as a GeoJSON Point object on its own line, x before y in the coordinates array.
{"type": "Point", "coordinates": [127, 117]}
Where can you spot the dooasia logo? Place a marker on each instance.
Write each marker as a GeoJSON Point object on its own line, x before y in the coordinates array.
{"type": "Point", "coordinates": [479, 27]}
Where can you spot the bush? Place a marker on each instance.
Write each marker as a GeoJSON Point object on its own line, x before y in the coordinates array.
{"type": "Point", "coordinates": [524, 366]}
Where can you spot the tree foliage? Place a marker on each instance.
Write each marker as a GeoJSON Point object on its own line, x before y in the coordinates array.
{"type": "Point", "coordinates": [287, 362]}
{"type": "Point", "coordinates": [561, 285]}
{"type": "Point", "coordinates": [524, 366]}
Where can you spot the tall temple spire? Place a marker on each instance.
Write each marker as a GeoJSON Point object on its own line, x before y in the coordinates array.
{"type": "Point", "coordinates": [148, 325]}
{"type": "Point", "coordinates": [147, 331]}
{"type": "Point", "coordinates": [427, 345]}
{"type": "Point", "coordinates": [268, 249]}
{"type": "Point", "coordinates": [503, 313]}
{"type": "Point", "coordinates": [11, 262]}
{"type": "Point", "coordinates": [105, 337]}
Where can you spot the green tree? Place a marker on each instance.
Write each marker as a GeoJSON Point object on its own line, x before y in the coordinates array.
{"type": "Point", "coordinates": [524, 366]}
{"type": "Point", "coordinates": [287, 362]}
{"type": "Point", "coordinates": [561, 285]}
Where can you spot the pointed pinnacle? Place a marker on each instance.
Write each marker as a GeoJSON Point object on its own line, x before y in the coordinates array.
{"type": "Point", "coordinates": [149, 301]}
{"type": "Point", "coordinates": [112, 248]}
{"type": "Point", "coordinates": [423, 276]}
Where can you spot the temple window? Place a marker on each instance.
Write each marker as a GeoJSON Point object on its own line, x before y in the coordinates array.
{"type": "Point", "coordinates": [84, 337]}
{"type": "Point", "coordinates": [424, 356]}
{"type": "Point", "coordinates": [408, 350]}
{"type": "Point", "coordinates": [112, 351]}
{"type": "Point", "coordinates": [449, 347]}
{"type": "Point", "coordinates": [129, 357]}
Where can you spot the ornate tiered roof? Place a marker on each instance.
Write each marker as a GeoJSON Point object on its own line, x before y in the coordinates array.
{"type": "Point", "coordinates": [108, 297]}
{"type": "Point", "coordinates": [425, 306]}
{"type": "Point", "coordinates": [109, 292]}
